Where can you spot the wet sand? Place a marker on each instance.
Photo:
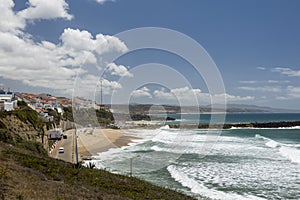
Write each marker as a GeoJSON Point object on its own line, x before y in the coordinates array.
{"type": "Point", "coordinates": [93, 141]}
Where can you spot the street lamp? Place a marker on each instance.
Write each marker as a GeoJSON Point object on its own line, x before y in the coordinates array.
{"type": "Point", "coordinates": [76, 147]}
{"type": "Point", "coordinates": [130, 174]}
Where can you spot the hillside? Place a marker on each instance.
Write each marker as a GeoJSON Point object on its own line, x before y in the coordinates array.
{"type": "Point", "coordinates": [27, 172]}
{"type": "Point", "coordinates": [230, 108]}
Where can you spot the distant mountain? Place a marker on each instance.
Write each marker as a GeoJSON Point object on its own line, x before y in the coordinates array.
{"type": "Point", "coordinates": [231, 108]}
{"type": "Point", "coordinates": [254, 108]}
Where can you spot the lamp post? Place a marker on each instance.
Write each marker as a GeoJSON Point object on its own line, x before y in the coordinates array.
{"type": "Point", "coordinates": [76, 148]}
{"type": "Point", "coordinates": [130, 174]}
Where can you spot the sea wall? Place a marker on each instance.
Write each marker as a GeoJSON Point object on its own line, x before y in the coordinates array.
{"type": "Point", "coordinates": [237, 125]}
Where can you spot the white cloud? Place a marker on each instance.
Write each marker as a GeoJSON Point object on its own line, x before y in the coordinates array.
{"type": "Point", "coordinates": [264, 81]}
{"type": "Point", "coordinates": [163, 94]}
{"type": "Point", "coordinates": [9, 21]}
{"type": "Point", "coordinates": [13, 22]}
{"type": "Point", "coordinates": [107, 43]}
{"type": "Point", "coordinates": [189, 96]}
{"type": "Point", "coordinates": [111, 85]}
{"type": "Point", "coordinates": [118, 70]}
{"type": "Point", "coordinates": [282, 98]}
{"type": "Point", "coordinates": [286, 71]}
{"type": "Point", "coordinates": [261, 68]}
{"type": "Point", "coordinates": [249, 82]}
{"type": "Point", "coordinates": [293, 91]}
{"type": "Point", "coordinates": [143, 92]}
{"type": "Point", "coordinates": [36, 61]}
{"type": "Point", "coordinates": [231, 98]}
{"type": "Point", "coordinates": [46, 64]}
{"type": "Point", "coordinates": [103, 1]}
{"type": "Point", "coordinates": [273, 81]}
{"type": "Point", "coordinates": [46, 9]}
{"type": "Point", "coordinates": [77, 40]}
{"type": "Point", "coordinates": [262, 88]}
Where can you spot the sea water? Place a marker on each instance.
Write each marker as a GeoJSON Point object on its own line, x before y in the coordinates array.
{"type": "Point", "coordinates": [218, 164]}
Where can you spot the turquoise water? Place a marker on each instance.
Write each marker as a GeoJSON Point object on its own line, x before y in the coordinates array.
{"type": "Point", "coordinates": [218, 164]}
{"type": "Point", "coordinates": [234, 118]}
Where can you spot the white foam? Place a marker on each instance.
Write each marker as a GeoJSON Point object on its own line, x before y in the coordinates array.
{"type": "Point", "coordinates": [261, 137]}
{"type": "Point", "coordinates": [166, 127]}
{"type": "Point", "coordinates": [291, 153]}
{"type": "Point", "coordinates": [272, 144]}
{"type": "Point", "coordinates": [288, 151]}
{"type": "Point", "coordinates": [293, 127]}
{"type": "Point", "coordinates": [187, 181]}
{"type": "Point", "coordinates": [234, 127]}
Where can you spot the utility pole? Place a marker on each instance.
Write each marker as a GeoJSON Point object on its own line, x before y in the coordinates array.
{"type": "Point", "coordinates": [101, 92]}
{"type": "Point", "coordinates": [130, 174]}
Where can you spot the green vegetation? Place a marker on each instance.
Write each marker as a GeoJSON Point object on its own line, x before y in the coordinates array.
{"type": "Point", "coordinates": [89, 116]}
{"type": "Point", "coordinates": [67, 114]}
{"type": "Point", "coordinates": [55, 114]}
{"type": "Point", "coordinates": [104, 117]}
{"type": "Point", "coordinates": [43, 177]}
{"type": "Point", "coordinates": [24, 120]}
{"type": "Point", "coordinates": [26, 114]}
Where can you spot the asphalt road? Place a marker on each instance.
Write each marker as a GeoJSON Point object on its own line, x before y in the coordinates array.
{"type": "Point", "coordinates": [69, 147]}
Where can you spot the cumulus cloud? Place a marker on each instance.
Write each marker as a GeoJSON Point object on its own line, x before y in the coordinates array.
{"type": "Point", "coordinates": [110, 85]}
{"type": "Point", "coordinates": [87, 83]}
{"type": "Point", "coordinates": [143, 92]}
{"type": "Point", "coordinates": [118, 70]}
{"type": "Point", "coordinates": [46, 64]}
{"type": "Point", "coordinates": [77, 40]}
{"type": "Point", "coordinates": [24, 59]}
{"type": "Point", "coordinates": [286, 71]}
{"type": "Point", "coordinates": [13, 22]}
{"type": "Point", "coordinates": [9, 21]}
{"type": "Point", "coordinates": [163, 94]}
{"type": "Point", "coordinates": [45, 9]}
{"type": "Point", "coordinates": [107, 43]}
{"type": "Point", "coordinates": [190, 96]}
{"type": "Point", "coordinates": [231, 98]}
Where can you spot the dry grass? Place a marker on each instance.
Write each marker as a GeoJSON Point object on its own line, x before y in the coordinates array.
{"type": "Point", "coordinates": [31, 175]}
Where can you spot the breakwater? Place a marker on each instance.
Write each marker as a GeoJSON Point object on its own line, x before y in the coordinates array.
{"type": "Point", "coordinates": [238, 125]}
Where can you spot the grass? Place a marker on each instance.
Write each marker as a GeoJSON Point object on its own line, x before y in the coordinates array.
{"type": "Point", "coordinates": [41, 177]}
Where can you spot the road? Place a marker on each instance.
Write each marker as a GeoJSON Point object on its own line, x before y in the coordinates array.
{"type": "Point", "coordinates": [69, 147]}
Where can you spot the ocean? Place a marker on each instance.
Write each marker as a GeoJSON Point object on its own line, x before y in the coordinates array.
{"type": "Point", "coordinates": [238, 163]}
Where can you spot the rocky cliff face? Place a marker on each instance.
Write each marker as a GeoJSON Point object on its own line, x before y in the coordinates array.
{"type": "Point", "coordinates": [18, 129]}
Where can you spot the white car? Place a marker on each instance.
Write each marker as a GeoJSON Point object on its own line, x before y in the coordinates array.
{"type": "Point", "coordinates": [61, 150]}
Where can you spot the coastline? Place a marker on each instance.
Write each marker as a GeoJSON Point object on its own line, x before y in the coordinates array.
{"type": "Point", "coordinates": [97, 140]}
{"type": "Point", "coordinates": [280, 124]}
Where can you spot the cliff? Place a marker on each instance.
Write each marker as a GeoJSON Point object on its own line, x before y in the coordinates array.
{"type": "Point", "coordinates": [20, 125]}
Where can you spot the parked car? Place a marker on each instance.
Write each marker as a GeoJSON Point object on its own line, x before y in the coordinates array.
{"type": "Point", "coordinates": [61, 150]}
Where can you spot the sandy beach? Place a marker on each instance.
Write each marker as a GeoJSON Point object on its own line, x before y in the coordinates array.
{"type": "Point", "coordinates": [93, 141]}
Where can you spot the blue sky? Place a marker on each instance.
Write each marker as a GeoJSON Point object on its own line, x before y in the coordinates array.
{"type": "Point", "coordinates": [255, 45]}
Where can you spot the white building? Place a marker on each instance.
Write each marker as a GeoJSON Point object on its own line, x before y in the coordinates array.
{"type": "Point", "coordinates": [8, 106]}
{"type": "Point", "coordinates": [7, 101]}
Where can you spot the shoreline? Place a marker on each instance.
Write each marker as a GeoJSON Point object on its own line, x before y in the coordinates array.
{"type": "Point", "coordinates": [275, 124]}
{"type": "Point", "coordinates": [91, 142]}
{"type": "Point", "coordinates": [280, 124]}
